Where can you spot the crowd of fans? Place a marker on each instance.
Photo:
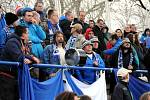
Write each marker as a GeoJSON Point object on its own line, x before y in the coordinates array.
{"type": "Point", "coordinates": [32, 36]}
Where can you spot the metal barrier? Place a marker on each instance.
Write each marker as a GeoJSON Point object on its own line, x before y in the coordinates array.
{"type": "Point", "coordinates": [63, 67]}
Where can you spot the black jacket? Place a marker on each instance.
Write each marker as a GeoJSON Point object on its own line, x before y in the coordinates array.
{"type": "Point", "coordinates": [66, 29]}
{"type": "Point", "coordinates": [97, 31]}
{"type": "Point", "coordinates": [12, 52]}
{"type": "Point", "coordinates": [121, 92]}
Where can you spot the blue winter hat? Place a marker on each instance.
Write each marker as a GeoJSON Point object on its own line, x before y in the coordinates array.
{"type": "Point", "coordinates": [26, 9]}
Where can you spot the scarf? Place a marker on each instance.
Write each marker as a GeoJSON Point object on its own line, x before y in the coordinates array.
{"type": "Point", "coordinates": [120, 59]}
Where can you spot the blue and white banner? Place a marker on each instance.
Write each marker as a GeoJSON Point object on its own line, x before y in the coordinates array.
{"type": "Point", "coordinates": [97, 90]}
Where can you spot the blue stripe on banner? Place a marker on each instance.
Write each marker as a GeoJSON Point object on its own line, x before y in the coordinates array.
{"type": "Point", "coordinates": [25, 83]}
{"type": "Point", "coordinates": [138, 87]}
{"type": "Point", "coordinates": [72, 84]}
{"type": "Point", "coordinates": [48, 89]}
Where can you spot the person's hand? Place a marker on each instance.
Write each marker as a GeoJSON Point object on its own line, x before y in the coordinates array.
{"type": "Point", "coordinates": [27, 61]}
{"type": "Point", "coordinates": [36, 60]}
{"type": "Point", "coordinates": [95, 63]}
{"type": "Point", "coordinates": [34, 21]}
{"type": "Point", "coordinates": [130, 67]}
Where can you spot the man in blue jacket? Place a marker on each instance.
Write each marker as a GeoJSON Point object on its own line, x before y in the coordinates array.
{"type": "Point", "coordinates": [93, 60]}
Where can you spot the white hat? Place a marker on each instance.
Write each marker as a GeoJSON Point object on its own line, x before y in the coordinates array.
{"type": "Point", "coordinates": [123, 72]}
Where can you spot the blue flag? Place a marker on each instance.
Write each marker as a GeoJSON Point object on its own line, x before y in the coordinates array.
{"type": "Point", "coordinates": [25, 83]}
{"type": "Point", "coordinates": [138, 87]}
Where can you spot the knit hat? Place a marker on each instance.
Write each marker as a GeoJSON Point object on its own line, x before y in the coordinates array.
{"type": "Point", "coordinates": [123, 72]}
{"type": "Point", "coordinates": [86, 42]}
{"type": "Point", "coordinates": [10, 18]}
{"type": "Point", "coordinates": [26, 9]}
{"type": "Point", "coordinates": [94, 39]}
{"type": "Point", "coordinates": [88, 30]}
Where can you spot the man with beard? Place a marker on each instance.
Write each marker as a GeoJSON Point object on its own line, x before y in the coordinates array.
{"type": "Point", "coordinates": [54, 53]}
{"type": "Point", "coordinates": [125, 56]}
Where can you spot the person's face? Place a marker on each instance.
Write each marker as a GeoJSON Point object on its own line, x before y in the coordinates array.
{"type": "Point", "coordinates": [95, 44]}
{"type": "Point", "coordinates": [91, 24]}
{"type": "Point", "coordinates": [133, 38]}
{"type": "Point", "coordinates": [101, 24]}
{"type": "Point", "coordinates": [59, 38]}
{"type": "Point", "coordinates": [25, 36]}
{"type": "Point", "coordinates": [88, 48]}
{"type": "Point", "coordinates": [70, 17]}
{"type": "Point", "coordinates": [39, 7]}
{"type": "Point", "coordinates": [28, 16]}
{"type": "Point", "coordinates": [54, 17]}
{"type": "Point", "coordinates": [147, 33]}
{"type": "Point", "coordinates": [126, 45]}
{"type": "Point", "coordinates": [133, 28]}
{"type": "Point", "coordinates": [113, 42]}
{"type": "Point", "coordinates": [127, 28]}
{"type": "Point", "coordinates": [119, 33]}
{"type": "Point", "coordinates": [91, 34]}
{"type": "Point", "coordinates": [82, 16]}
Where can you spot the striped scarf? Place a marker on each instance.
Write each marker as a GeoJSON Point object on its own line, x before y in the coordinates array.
{"type": "Point", "coordinates": [120, 59]}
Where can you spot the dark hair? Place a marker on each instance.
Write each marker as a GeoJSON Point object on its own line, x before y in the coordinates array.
{"type": "Point", "coordinates": [85, 97]}
{"type": "Point", "coordinates": [118, 30]}
{"type": "Point", "coordinates": [25, 11]}
{"type": "Point", "coordinates": [55, 35]}
{"type": "Point", "coordinates": [147, 29]}
{"type": "Point", "coordinates": [19, 30]}
{"type": "Point", "coordinates": [50, 12]}
{"type": "Point", "coordinates": [99, 20]}
{"type": "Point", "coordinates": [66, 96]}
{"type": "Point", "coordinates": [107, 29]}
{"type": "Point", "coordinates": [67, 13]}
{"type": "Point", "coordinates": [130, 37]}
{"type": "Point", "coordinates": [114, 36]}
{"type": "Point", "coordinates": [145, 96]}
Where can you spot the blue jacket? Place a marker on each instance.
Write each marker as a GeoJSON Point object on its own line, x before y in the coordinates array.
{"type": "Point", "coordinates": [115, 48]}
{"type": "Point", "coordinates": [89, 76]}
{"type": "Point", "coordinates": [2, 22]}
{"type": "Point", "coordinates": [4, 34]}
{"type": "Point", "coordinates": [36, 35]}
{"type": "Point", "coordinates": [51, 56]}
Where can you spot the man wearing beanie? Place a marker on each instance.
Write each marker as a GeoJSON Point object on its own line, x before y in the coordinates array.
{"type": "Point", "coordinates": [11, 22]}
{"type": "Point", "coordinates": [93, 60]}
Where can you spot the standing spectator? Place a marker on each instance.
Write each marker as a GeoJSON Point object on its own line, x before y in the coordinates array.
{"type": "Point", "coordinates": [121, 91]}
{"type": "Point", "coordinates": [11, 21]}
{"type": "Point", "coordinates": [119, 33]}
{"type": "Point", "coordinates": [82, 15]}
{"type": "Point", "coordinates": [52, 25]}
{"type": "Point", "coordinates": [97, 31]}
{"type": "Point", "coordinates": [89, 33]}
{"type": "Point", "coordinates": [13, 51]}
{"type": "Point", "coordinates": [135, 43]}
{"type": "Point", "coordinates": [36, 34]}
{"type": "Point", "coordinates": [66, 23]}
{"type": "Point", "coordinates": [93, 60]}
{"type": "Point", "coordinates": [91, 23]}
{"type": "Point", "coordinates": [127, 30]}
{"type": "Point", "coordinates": [2, 19]}
{"type": "Point", "coordinates": [55, 53]}
{"type": "Point", "coordinates": [95, 43]}
{"type": "Point", "coordinates": [39, 8]}
{"type": "Point", "coordinates": [76, 39]}
{"type": "Point", "coordinates": [133, 29]}
{"type": "Point", "coordinates": [125, 56]}
{"type": "Point", "coordinates": [144, 35]}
